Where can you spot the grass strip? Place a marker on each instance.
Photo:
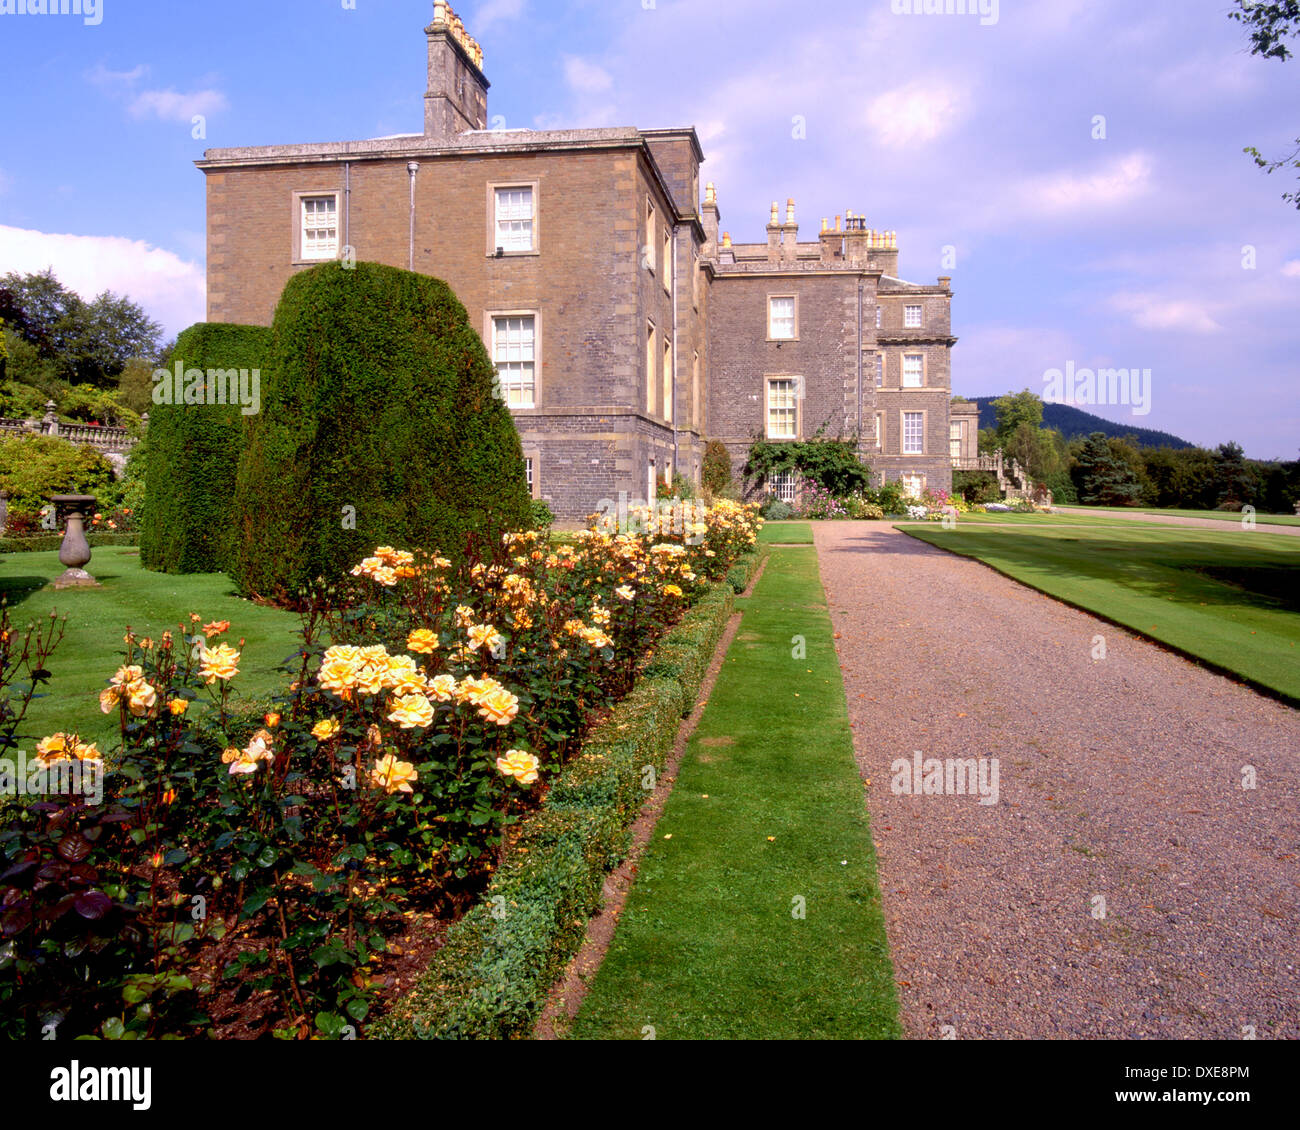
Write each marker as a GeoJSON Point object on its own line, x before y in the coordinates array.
{"type": "Point", "coordinates": [785, 533]}
{"type": "Point", "coordinates": [766, 821]}
{"type": "Point", "coordinates": [1168, 583]}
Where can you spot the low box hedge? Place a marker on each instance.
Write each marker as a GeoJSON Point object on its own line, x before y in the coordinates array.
{"type": "Point", "coordinates": [744, 570]}
{"type": "Point", "coordinates": [491, 979]}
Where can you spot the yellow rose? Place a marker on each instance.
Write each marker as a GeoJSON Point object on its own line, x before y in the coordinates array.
{"type": "Point", "coordinates": [141, 697]}
{"type": "Point", "coordinates": [523, 767]}
{"type": "Point", "coordinates": [499, 706]}
{"type": "Point", "coordinates": [108, 699]}
{"type": "Point", "coordinates": [412, 711]}
{"type": "Point", "coordinates": [127, 675]}
{"type": "Point", "coordinates": [325, 729]}
{"type": "Point", "coordinates": [423, 641]}
{"type": "Point", "coordinates": [393, 776]}
{"type": "Point", "coordinates": [178, 706]}
{"type": "Point", "coordinates": [443, 687]}
{"type": "Point", "coordinates": [57, 747]}
{"type": "Point", "coordinates": [221, 662]}
{"type": "Point", "coordinates": [484, 635]}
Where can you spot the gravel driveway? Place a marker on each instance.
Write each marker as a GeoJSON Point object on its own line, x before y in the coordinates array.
{"type": "Point", "coordinates": [1120, 779]}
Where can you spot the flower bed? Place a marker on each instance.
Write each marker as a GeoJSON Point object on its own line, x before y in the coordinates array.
{"type": "Point", "coordinates": [266, 859]}
{"type": "Point", "coordinates": [491, 979]}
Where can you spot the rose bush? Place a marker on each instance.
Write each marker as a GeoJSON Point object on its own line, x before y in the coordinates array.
{"type": "Point", "coordinates": [271, 856]}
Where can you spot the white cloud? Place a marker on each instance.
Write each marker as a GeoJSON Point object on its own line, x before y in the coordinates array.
{"type": "Point", "coordinates": [172, 106]}
{"type": "Point", "coordinates": [492, 12]}
{"type": "Point", "coordinates": [1290, 269]}
{"type": "Point", "coordinates": [170, 289]}
{"type": "Point", "coordinates": [584, 77]}
{"type": "Point", "coordinates": [1123, 180]}
{"type": "Point", "coordinates": [1151, 312]}
{"type": "Point", "coordinates": [100, 75]}
{"type": "Point", "coordinates": [913, 114]}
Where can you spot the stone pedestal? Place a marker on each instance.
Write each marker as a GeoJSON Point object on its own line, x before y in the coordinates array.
{"type": "Point", "coordinates": [75, 550]}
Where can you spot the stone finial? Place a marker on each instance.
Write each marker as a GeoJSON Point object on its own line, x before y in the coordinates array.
{"type": "Point", "coordinates": [726, 240]}
{"type": "Point", "coordinates": [789, 211]}
{"type": "Point", "coordinates": [776, 210]}
{"type": "Point", "coordinates": [825, 224]}
{"type": "Point", "coordinates": [710, 194]}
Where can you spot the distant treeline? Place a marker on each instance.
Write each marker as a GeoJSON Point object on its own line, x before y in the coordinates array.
{"type": "Point", "coordinates": [1101, 468]}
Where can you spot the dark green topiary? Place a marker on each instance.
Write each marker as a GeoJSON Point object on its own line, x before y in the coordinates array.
{"type": "Point", "coordinates": [380, 427]}
{"type": "Point", "coordinates": [192, 452]}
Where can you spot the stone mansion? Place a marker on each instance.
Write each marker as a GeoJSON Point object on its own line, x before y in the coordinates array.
{"type": "Point", "coordinates": [627, 328]}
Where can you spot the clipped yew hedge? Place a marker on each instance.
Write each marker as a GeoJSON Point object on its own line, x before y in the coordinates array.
{"type": "Point", "coordinates": [192, 452]}
{"type": "Point", "coordinates": [491, 979]}
{"type": "Point", "coordinates": [379, 426]}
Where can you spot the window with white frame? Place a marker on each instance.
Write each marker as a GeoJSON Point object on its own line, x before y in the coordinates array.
{"type": "Point", "coordinates": [782, 408]}
{"type": "Point", "coordinates": [880, 370]}
{"type": "Point", "coordinates": [668, 257]}
{"type": "Point", "coordinates": [912, 317]}
{"type": "Point", "coordinates": [515, 215]}
{"type": "Point", "coordinates": [913, 433]}
{"type": "Point", "coordinates": [880, 315]}
{"type": "Point", "coordinates": [780, 318]}
{"type": "Point", "coordinates": [320, 227]}
{"type": "Point", "coordinates": [514, 349]}
{"type": "Point", "coordinates": [913, 370]}
{"type": "Point", "coordinates": [880, 431]}
{"type": "Point", "coordinates": [913, 485]}
{"type": "Point", "coordinates": [528, 472]}
{"type": "Point", "coordinates": [785, 486]}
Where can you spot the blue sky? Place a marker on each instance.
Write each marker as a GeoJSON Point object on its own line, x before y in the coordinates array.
{"type": "Point", "coordinates": [969, 136]}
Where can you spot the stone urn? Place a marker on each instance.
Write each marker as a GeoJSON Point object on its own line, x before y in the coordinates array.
{"type": "Point", "coordinates": [74, 553]}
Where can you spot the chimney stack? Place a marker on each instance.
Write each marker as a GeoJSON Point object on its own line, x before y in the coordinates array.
{"type": "Point", "coordinates": [710, 217]}
{"type": "Point", "coordinates": [456, 100]}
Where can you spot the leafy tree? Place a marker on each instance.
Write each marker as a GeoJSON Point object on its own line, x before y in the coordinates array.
{"type": "Point", "coordinates": [1234, 480]}
{"type": "Point", "coordinates": [88, 342]}
{"type": "Point", "coordinates": [1271, 25]}
{"type": "Point", "coordinates": [1102, 476]}
{"type": "Point", "coordinates": [1015, 409]}
{"type": "Point", "coordinates": [135, 386]}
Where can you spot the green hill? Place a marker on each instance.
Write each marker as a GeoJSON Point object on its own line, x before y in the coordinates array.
{"type": "Point", "coordinates": [1071, 422]}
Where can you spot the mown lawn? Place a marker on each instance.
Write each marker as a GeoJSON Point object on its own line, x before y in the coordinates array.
{"type": "Point", "coordinates": [786, 533]}
{"type": "Point", "coordinates": [97, 620]}
{"type": "Point", "coordinates": [756, 912]}
{"type": "Point", "coordinates": [1217, 515]}
{"type": "Point", "coordinates": [1226, 598]}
